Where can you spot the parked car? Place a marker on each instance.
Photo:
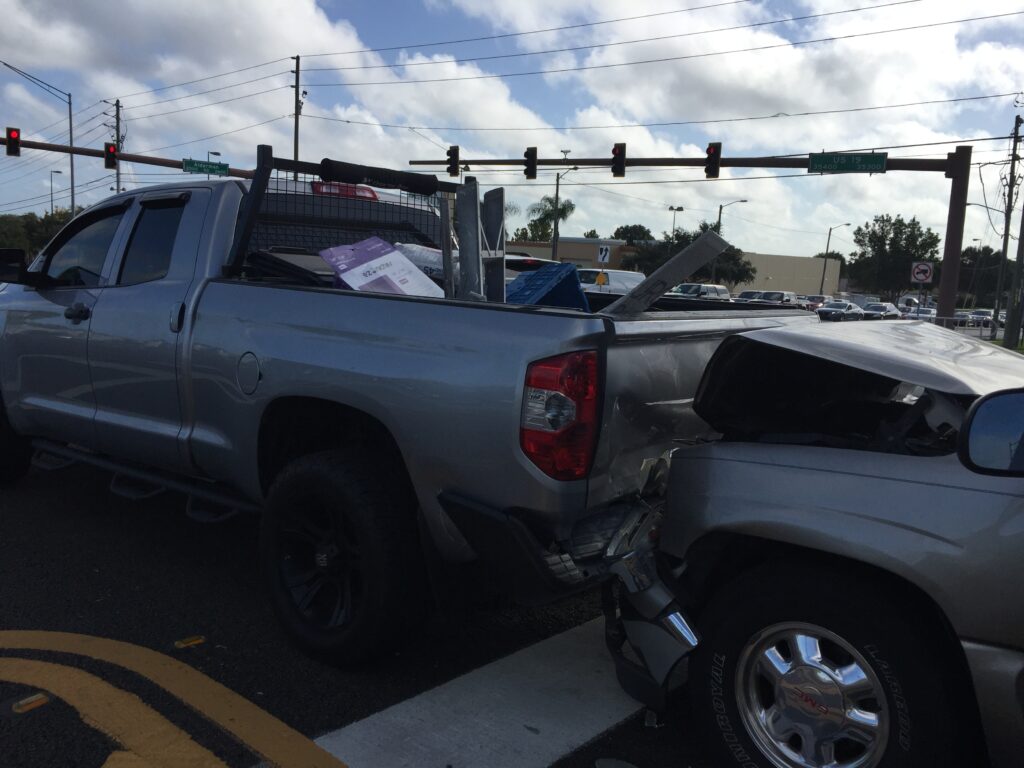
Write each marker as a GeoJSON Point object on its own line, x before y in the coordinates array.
{"type": "Point", "coordinates": [818, 300]}
{"type": "Point", "coordinates": [839, 607]}
{"type": "Point", "coordinates": [983, 317]}
{"type": "Point", "coordinates": [701, 291]}
{"type": "Point", "coordinates": [781, 297]}
{"type": "Point", "coordinates": [747, 296]}
{"type": "Point", "coordinates": [963, 319]}
{"type": "Point", "coordinates": [837, 311]}
{"type": "Point", "coordinates": [610, 280]}
{"type": "Point", "coordinates": [881, 312]}
{"type": "Point", "coordinates": [925, 314]}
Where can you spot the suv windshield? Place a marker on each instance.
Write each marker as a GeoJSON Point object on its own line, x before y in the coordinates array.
{"type": "Point", "coordinates": [875, 308]}
{"type": "Point", "coordinates": [773, 296]}
{"type": "Point", "coordinates": [688, 289]}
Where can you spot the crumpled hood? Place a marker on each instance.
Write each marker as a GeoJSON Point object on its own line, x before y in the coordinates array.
{"type": "Point", "coordinates": [912, 351]}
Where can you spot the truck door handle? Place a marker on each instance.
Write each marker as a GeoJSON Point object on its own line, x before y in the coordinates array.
{"type": "Point", "coordinates": [177, 317]}
{"type": "Point", "coordinates": [76, 313]}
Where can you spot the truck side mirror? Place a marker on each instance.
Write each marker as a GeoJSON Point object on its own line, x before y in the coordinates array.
{"type": "Point", "coordinates": [12, 264]}
{"type": "Point", "coordinates": [992, 438]}
{"type": "Point", "coordinates": [14, 269]}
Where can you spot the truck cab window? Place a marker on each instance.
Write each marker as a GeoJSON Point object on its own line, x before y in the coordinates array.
{"type": "Point", "coordinates": [78, 260]}
{"type": "Point", "coordinates": [148, 256]}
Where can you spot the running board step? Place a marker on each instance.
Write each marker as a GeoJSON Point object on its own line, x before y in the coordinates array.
{"type": "Point", "coordinates": [133, 488]}
{"type": "Point", "coordinates": [49, 462]}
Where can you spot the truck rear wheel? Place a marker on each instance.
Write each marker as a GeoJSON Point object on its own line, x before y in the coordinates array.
{"type": "Point", "coordinates": [805, 668]}
{"type": "Point", "coordinates": [340, 556]}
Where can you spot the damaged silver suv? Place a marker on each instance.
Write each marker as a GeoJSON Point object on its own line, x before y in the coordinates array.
{"type": "Point", "coordinates": [850, 551]}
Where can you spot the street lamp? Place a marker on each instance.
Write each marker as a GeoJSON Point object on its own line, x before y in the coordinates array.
{"type": "Point", "coordinates": [558, 181]}
{"type": "Point", "coordinates": [672, 239]}
{"type": "Point", "coordinates": [718, 230]}
{"type": "Point", "coordinates": [51, 189]}
{"type": "Point", "coordinates": [210, 153]}
{"type": "Point", "coordinates": [828, 243]}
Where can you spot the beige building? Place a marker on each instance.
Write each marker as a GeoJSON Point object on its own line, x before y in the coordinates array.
{"type": "Point", "coordinates": [800, 274]}
{"type": "Point", "coordinates": [581, 251]}
{"type": "Point", "coordinates": [775, 272]}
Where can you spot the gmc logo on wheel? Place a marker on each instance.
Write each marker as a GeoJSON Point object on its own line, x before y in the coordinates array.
{"type": "Point", "coordinates": [810, 701]}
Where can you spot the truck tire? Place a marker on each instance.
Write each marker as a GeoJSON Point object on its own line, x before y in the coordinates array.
{"type": "Point", "coordinates": [798, 667]}
{"type": "Point", "coordinates": [15, 452]}
{"type": "Point", "coordinates": [340, 555]}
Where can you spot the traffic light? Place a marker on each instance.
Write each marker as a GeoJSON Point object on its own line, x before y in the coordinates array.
{"type": "Point", "coordinates": [14, 142]}
{"type": "Point", "coordinates": [453, 160]}
{"type": "Point", "coordinates": [531, 162]}
{"type": "Point", "coordinates": [110, 155]}
{"type": "Point", "coordinates": [619, 159]}
{"type": "Point", "coordinates": [714, 160]}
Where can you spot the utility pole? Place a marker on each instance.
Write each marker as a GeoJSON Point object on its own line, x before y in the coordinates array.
{"type": "Point", "coordinates": [718, 231]}
{"type": "Point", "coordinates": [117, 141]}
{"type": "Point", "coordinates": [1006, 232]}
{"type": "Point", "coordinates": [558, 181]}
{"type": "Point", "coordinates": [298, 111]}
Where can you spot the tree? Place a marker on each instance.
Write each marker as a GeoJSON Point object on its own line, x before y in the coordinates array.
{"type": "Point", "coordinates": [591, 234]}
{"type": "Point", "coordinates": [979, 275]}
{"type": "Point", "coordinates": [632, 233]}
{"type": "Point", "coordinates": [887, 248]}
{"type": "Point", "coordinates": [543, 215]}
{"type": "Point", "coordinates": [521, 234]}
{"type": "Point", "coordinates": [31, 232]}
{"type": "Point", "coordinates": [730, 267]}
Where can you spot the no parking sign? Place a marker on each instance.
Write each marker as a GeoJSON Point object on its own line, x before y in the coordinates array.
{"type": "Point", "coordinates": [922, 272]}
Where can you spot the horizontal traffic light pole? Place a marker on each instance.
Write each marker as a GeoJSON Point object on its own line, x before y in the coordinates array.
{"type": "Point", "coordinates": [892, 163]}
{"type": "Point", "coordinates": [122, 157]}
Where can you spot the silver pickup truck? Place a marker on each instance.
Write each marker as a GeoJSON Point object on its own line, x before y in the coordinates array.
{"type": "Point", "coordinates": [186, 337]}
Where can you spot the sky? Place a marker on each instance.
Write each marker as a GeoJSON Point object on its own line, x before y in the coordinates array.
{"type": "Point", "coordinates": [664, 76]}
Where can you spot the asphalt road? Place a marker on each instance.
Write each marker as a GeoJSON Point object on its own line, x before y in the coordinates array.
{"type": "Point", "coordinates": [76, 559]}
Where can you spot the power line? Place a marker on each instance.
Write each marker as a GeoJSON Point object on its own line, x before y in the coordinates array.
{"type": "Point", "coordinates": [199, 80]}
{"type": "Point", "coordinates": [508, 35]}
{"type": "Point", "coordinates": [214, 136]}
{"type": "Point", "coordinates": [62, 195]}
{"type": "Point", "coordinates": [591, 46]}
{"type": "Point", "coordinates": [203, 93]}
{"type": "Point", "coordinates": [667, 124]}
{"type": "Point", "coordinates": [664, 59]}
{"type": "Point", "coordinates": [210, 104]}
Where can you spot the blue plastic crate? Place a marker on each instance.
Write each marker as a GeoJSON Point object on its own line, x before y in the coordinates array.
{"type": "Point", "coordinates": [554, 285]}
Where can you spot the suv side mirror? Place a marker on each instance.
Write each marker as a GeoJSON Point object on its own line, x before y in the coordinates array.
{"type": "Point", "coordinates": [992, 438]}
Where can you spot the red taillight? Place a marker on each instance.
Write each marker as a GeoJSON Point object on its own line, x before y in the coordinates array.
{"type": "Point", "coordinates": [338, 189]}
{"type": "Point", "coordinates": [558, 428]}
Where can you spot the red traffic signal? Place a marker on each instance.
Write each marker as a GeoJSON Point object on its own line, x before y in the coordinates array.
{"type": "Point", "coordinates": [619, 159]}
{"type": "Point", "coordinates": [13, 142]}
{"type": "Point", "coordinates": [714, 160]}
{"type": "Point", "coordinates": [110, 155]}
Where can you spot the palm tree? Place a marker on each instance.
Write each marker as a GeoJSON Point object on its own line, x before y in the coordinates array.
{"type": "Point", "coordinates": [544, 211]}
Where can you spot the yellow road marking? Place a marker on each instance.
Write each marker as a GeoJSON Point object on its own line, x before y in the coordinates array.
{"type": "Point", "coordinates": [265, 735]}
{"type": "Point", "coordinates": [122, 716]}
{"type": "Point", "coordinates": [188, 642]}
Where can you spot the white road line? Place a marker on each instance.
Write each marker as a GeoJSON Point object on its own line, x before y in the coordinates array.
{"type": "Point", "coordinates": [528, 709]}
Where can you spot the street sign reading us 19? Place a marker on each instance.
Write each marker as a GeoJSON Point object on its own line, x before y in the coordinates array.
{"type": "Point", "coordinates": [847, 162]}
{"type": "Point", "coordinates": [204, 166]}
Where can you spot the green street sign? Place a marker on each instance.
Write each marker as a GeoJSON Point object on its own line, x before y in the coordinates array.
{"type": "Point", "coordinates": [203, 166]}
{"type": "Point", "coordinates": [847, 162]}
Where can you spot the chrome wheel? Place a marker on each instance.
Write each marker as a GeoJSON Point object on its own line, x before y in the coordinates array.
{"type": "Point", "coordinates": [808, 699]}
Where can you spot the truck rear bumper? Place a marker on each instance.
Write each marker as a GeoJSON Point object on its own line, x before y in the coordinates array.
{"type": "Point", "coordinates": [510, 551]}
{"type": "Point", "coordinates": [998, 675]}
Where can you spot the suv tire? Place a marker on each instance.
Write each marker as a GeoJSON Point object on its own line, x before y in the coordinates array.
{"type": "Point", "coordinates": [340, 555]}
{"type": "Point", "coordinates": [754, 694]}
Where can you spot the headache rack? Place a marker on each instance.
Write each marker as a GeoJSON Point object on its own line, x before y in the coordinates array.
{"type": "Point", "coordinates": [294, 210]}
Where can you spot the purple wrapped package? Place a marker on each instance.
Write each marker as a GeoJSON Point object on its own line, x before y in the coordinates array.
{"type": "Point", "coordinates": [376, 266]}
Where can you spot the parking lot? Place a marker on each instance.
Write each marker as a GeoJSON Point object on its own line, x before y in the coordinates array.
{"type": "Point", "coordinates": [149, 639]}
